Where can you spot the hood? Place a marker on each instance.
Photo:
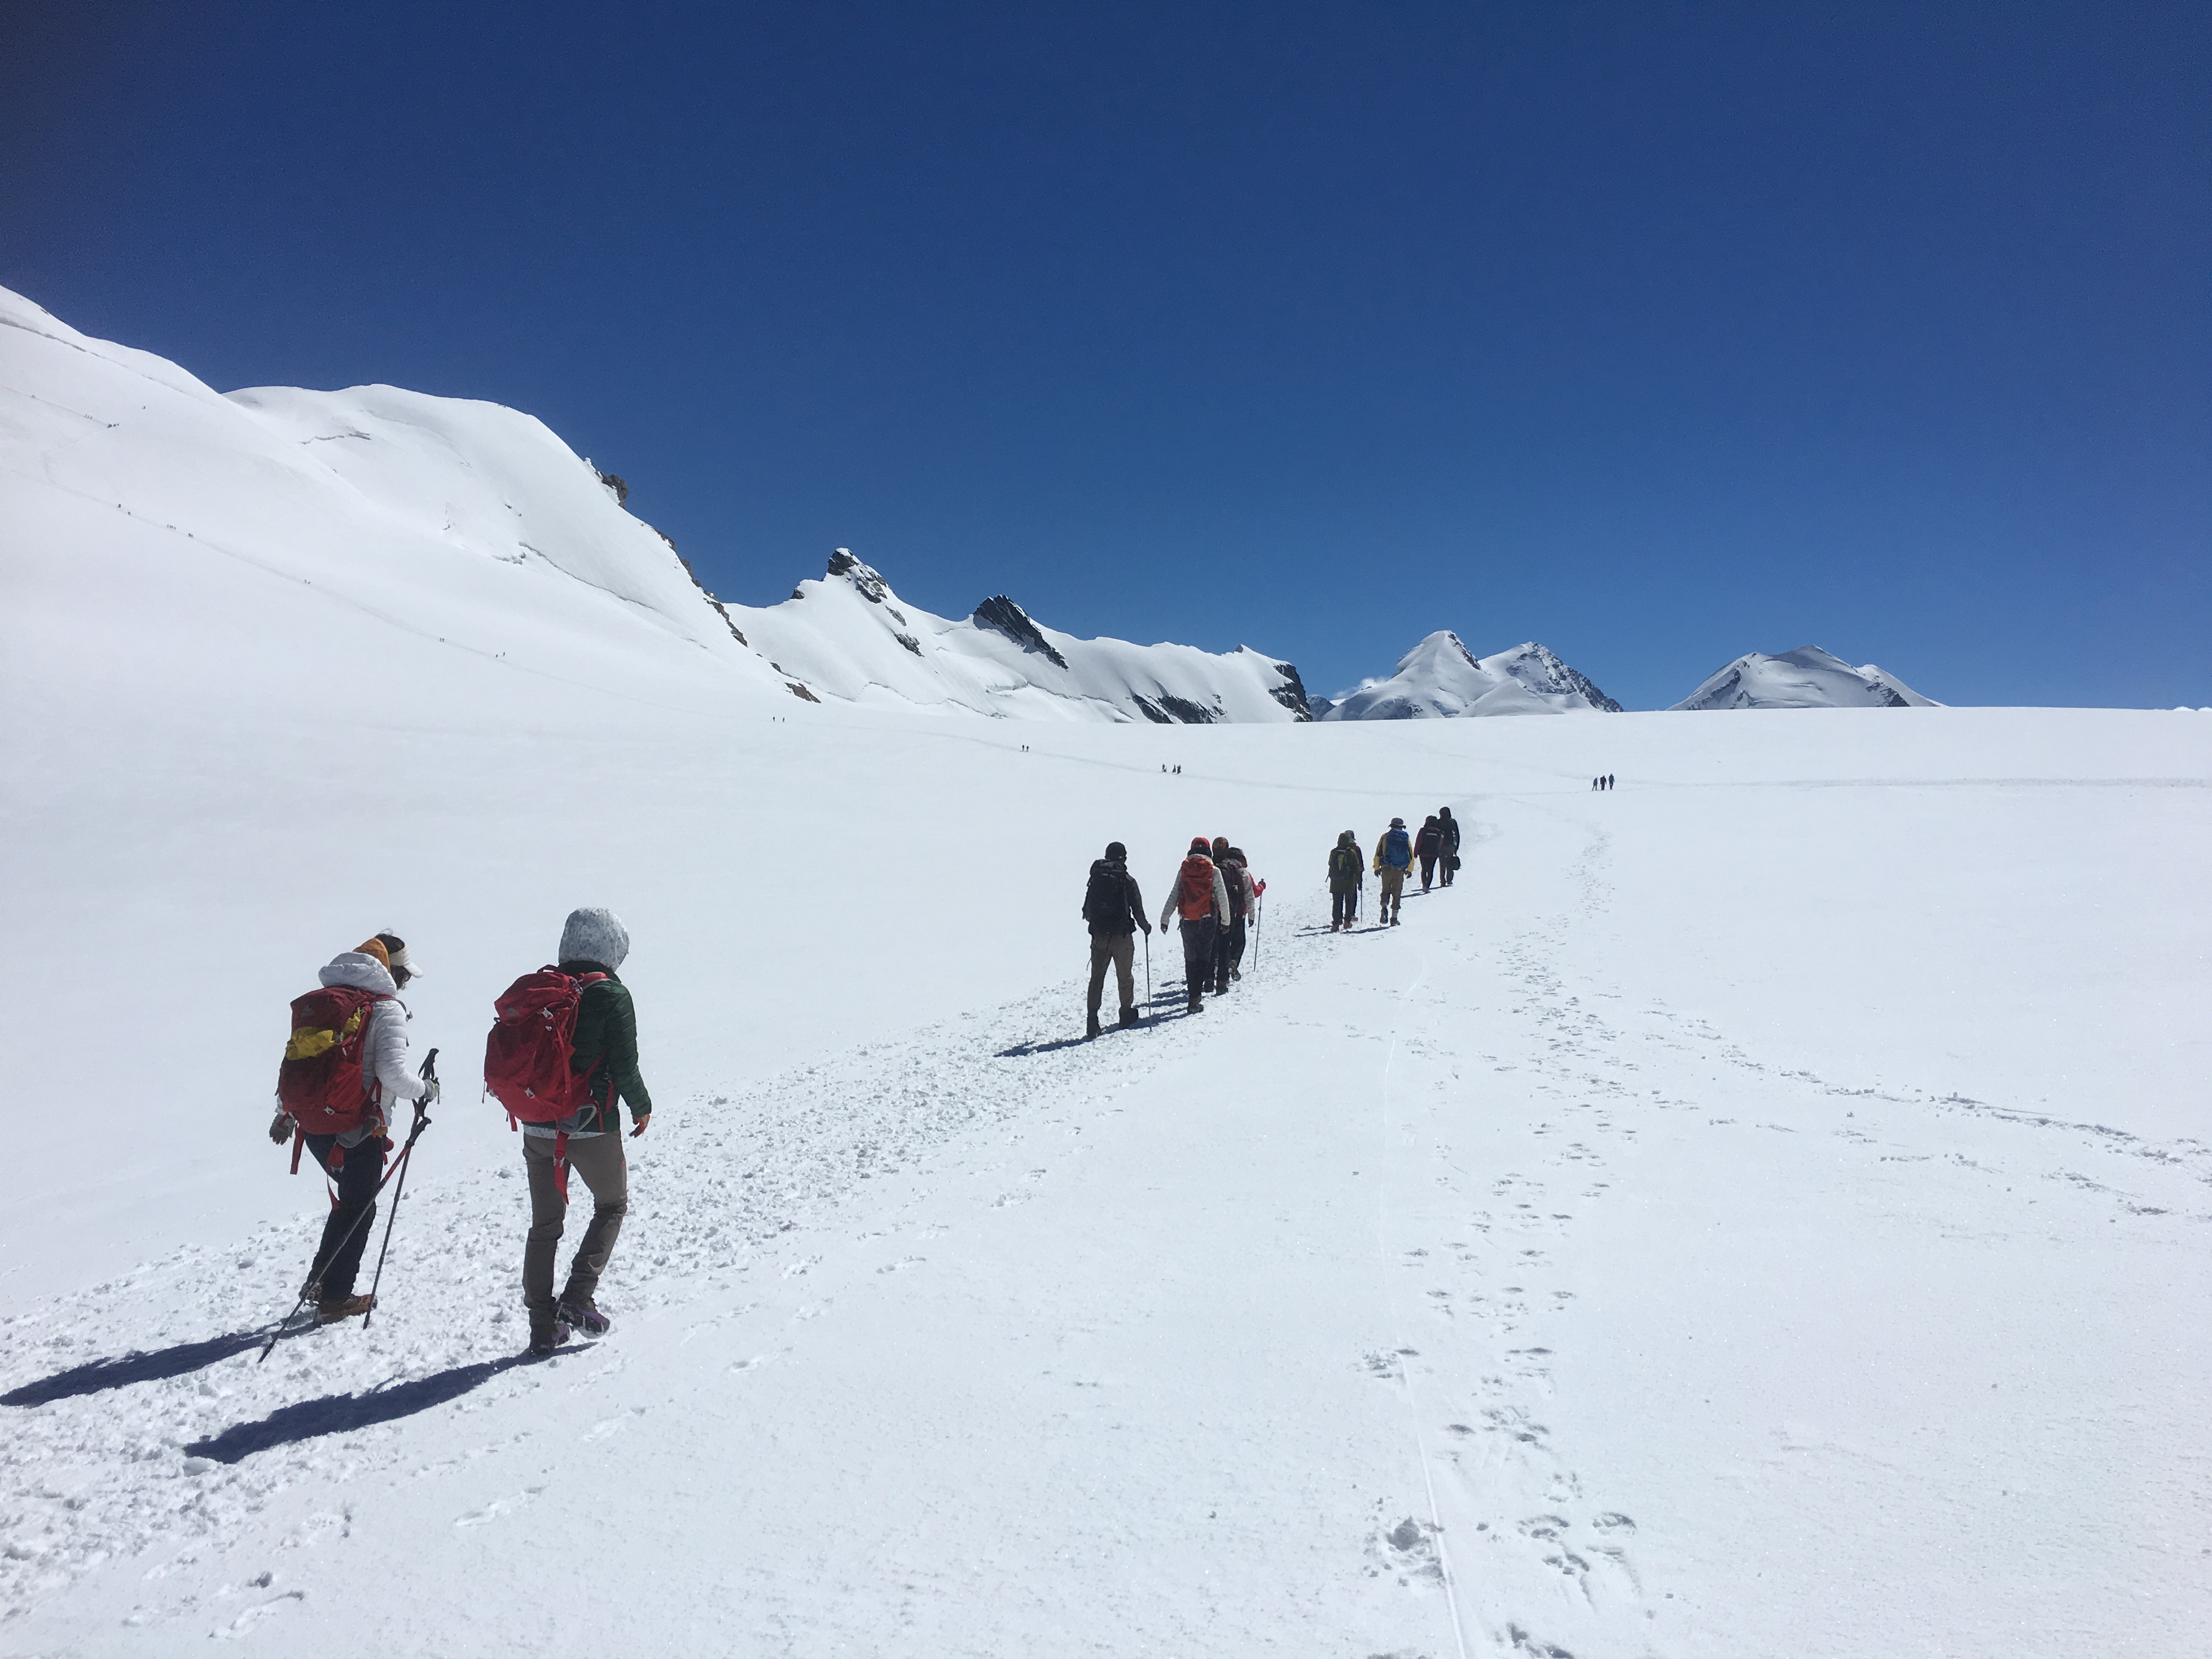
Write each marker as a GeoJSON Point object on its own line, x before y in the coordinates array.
{"type": "Point", "coordinates": [361, 971]}
{"type": "Point", "coordinates": [1108, 866]}
{"type": "Point", "coordinates": [594, 933]}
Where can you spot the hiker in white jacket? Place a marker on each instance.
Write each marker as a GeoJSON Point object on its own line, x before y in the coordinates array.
{"type": "Point", "coordinates": [353, 1159]}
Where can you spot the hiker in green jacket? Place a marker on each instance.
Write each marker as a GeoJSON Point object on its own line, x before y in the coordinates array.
{"type": "Point", "coordinates": [1347, 874]}
{"type": "Point", "coordinates": [594, 941]}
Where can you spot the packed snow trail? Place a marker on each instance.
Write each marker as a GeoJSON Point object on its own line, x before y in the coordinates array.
{"type": "Point", "coordinates": [984, 1340]}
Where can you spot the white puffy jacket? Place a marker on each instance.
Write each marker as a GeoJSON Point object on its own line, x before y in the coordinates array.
{"type": "Point", "coordinates": [384, 1054]}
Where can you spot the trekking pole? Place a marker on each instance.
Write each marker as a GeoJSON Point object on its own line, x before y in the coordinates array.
{"type": "Point", "coordinates": [307, 1290]}
{"type": "Point", "coordinates": [391, 1216]}
{"type": "Point", "coordinates": [1148, 968]}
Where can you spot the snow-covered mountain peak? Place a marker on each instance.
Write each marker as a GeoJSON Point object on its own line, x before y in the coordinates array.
{"type": "Point", "coordinates": [1808, 677]}
{"type": "Point", "coordinates": [1441, 678]}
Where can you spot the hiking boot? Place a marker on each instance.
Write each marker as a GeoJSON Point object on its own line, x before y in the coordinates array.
{"type": "Point", "coordinates": [1197, 1005]}
{"type": "Point", "coordinates": [330, 1313]}
{"type": "Point", "coordinates": [1128, 1016]}
{"type": "Point", "coordinates": [1236, 973]}
{"type": "Point", "coordinates": [582, 1315]}
{"type": "Point", "coordinates": [542, 1344]}
{"type": "Point", "coordinates": [1090, 1026]}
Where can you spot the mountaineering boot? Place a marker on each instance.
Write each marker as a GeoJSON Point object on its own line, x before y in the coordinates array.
{"type": "Point", "coordinates": [330, 1313]}
{"type": "Point", "coordinates": [1128, 1016]}
{"type": "Point", "coordinates": [1197, 1004]}
{"type": "Point", "coordinates": [547, 1337]}
{"type": "Point", "coordinates": [1090, 1026]}
{"type": "Point", "coordinates": [580, 1315]}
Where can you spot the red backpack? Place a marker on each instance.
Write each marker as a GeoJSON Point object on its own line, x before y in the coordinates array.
{"type": "Point", "coordinates": [1194, 887]}
{"type": "Point", "coordinates": [320, 1082]}
{"type": "Point", "coordinates": [527, 1057]}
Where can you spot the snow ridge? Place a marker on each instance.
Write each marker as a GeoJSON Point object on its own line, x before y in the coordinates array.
{"type": "Point", "coordinates": [1441, 678]}
{"type": "Point", "coordinates": [1808, 677]}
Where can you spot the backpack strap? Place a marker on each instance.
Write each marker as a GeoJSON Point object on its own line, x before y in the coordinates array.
{"type": "Point", "coordinates": [561, 1162]}
{"type": "Point", "coordinates": [299, 1141]}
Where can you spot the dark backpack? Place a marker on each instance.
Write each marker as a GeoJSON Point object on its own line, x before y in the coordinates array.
{"type": "Point", "coordinates": [1106, 900]}
{"type": "Point", "coordinates": [1232, 878]}
{"type": "Point", "coordinates": [1343, 863]}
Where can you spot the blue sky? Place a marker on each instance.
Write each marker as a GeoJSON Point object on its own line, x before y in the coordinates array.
{"type": "Point", "coordinates": [1657, 333]}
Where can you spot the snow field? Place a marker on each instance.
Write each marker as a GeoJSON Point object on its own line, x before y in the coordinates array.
{"type": "Point", "coordinates": [1755, 1208]}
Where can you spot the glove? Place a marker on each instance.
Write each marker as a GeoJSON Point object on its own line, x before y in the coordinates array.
{"type": "Point", "coordinates": [280, 1128]}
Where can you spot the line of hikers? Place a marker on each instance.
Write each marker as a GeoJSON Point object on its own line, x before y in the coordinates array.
{"type": "Point", "coordinates": [561, 1056]}
{"type": "Point", "coordinates": [1435, 847]}
{"type": "Point", "coordinates": [1603, 781]}
{"type": "Point", "coordinates": [1215, 899]}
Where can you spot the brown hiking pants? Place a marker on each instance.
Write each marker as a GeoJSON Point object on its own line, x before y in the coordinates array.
{"type": "Point", "coordinates": [1120, 949]}
{"type": "Point", "coordinates": [1393, 893]}
{"type": "Point", "coordinates": [599, 1160]}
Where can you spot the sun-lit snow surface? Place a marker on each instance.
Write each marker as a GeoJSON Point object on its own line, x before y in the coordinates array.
{"type": "Point", "coordinates": [1441, 678]}
{"type": "Point", "coordinates": [475, 525]}
{"type": "Point", "coordinates": [1808, 677]}
{"type": "Point", "coordinates": [849, 635]}
{"type": "Point", "coordinates": [1758, 1210]}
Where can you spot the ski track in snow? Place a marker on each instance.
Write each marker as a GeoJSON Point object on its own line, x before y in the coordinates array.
{"type": "Point", "coordinates": [1511, 1098]}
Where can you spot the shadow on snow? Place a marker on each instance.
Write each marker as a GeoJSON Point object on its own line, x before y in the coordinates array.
{"type": "Point", "coordinates": [98, 1376]}
{"type": "Point", "coordinates": [341, 1413]}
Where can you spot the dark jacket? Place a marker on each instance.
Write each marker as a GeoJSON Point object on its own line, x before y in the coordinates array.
{"type": "Point", "coordinates": [1429, 842]}
{"type": "Point", "coordinates": [1111, 903]}
{"type": "Point", "coordinates": [1450, 828]}
{"type": "Point", "coordinates": [1347, 870]}
{"type": "Point", "coordinates": [607, 1047]}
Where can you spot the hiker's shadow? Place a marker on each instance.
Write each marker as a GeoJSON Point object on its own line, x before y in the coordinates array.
{"type": "Point", "coordinates": [98, 1376]}
{"type": "Point", "coordinates": [341, 1413]}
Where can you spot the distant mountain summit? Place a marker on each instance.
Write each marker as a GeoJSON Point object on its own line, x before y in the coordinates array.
{"type": "Point", "coordinates": [849, 635]}
{"type": "Point", "coordinates": [1808, 677]}
{"type": "Point", "coordinates": [1441, 680]}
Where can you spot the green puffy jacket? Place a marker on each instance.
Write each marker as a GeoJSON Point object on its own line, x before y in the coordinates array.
{"type": "Point", "coordinates": [606, 1032]}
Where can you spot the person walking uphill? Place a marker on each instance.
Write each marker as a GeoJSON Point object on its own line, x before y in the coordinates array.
{"type": "Point", "coordinates": [1228, 939]}
{"type": "Point", "coordinates": [1200, 898]}
{"type": "Point", "coordinates": [604, 1061]}
{"type": "Point", "coordinates": [1447, 829]}
{"type": "Point", "coordinates": [1394, 856]}
{"type": "Point", "coordinates": [345, 1071]}
{"type": "Point", "coordinates": [1115, 910]}
{"type": "Point", "coordinates": [1347, 874]}
{"type": "Point", "coordinates": [1429, 846]}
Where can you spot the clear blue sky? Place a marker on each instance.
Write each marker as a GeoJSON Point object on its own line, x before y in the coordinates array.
{"type": "Point", "coordinates": [1657, 333]}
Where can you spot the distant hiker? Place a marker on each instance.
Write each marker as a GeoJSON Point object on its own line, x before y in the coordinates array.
{"type": "Point", "coordinates": [1449, 827]}
{"type": "Point", "coordinates": [1594, 782]}
{"type": "Point", "coordinates": [1115, 910]}
{"type": "Point", "coordinates": [1347, 874]}
{"type": "Point", "coordinates": [1228, 940]}
{"type": "Point", "coordinates": [345, 1072]}
{"type": "Point", "coordinates": [1609, 779]}
{"type": "Point", "coordinates": [601, 1068]}
{"type": "Point", "coordinates": [1429, 846]}
{"type": "Point", "coordinates": [1394, 856]}
{"type": "Point", "coordinates": [1200, 898]}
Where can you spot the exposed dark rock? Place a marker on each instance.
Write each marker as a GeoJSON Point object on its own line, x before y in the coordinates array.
{"type": "Point", "coordinates": [1187, 711]}
{"type": "Point", "coordinates": [1292, 694]}
{"type": "Point", "coordinates": [800, 691]}
{"type": "Point", "coordinates": [1010, 619]}
{"type": "Point", "coordinates": [1151, 711]}
{"type": "Point", "coordinates": [871, 586]}
{"type": "Point", "coordinates": [721, 610]}
{"type": "Point", "coordinates": [616, 484]}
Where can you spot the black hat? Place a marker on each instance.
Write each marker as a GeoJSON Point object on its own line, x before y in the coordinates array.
{"type": "Point", "coordinates": [1115, 850]}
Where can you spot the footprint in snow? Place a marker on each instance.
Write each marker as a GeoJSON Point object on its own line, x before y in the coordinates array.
{"type": "Point", "coordinates": [245, 1623]}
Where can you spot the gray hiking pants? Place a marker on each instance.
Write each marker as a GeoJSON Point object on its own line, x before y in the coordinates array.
{"type": "Point", "coordinates": [599, 1160]}
{"type": "Point", "coordinates": [1120, 949]}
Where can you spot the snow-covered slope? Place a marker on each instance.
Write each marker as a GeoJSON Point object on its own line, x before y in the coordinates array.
{"type": "Point", "coordinates": [1808, 677]}
{"type": "Point", "coordinates": [474, 526]}
{"type": "Point", "coordinates": [1440, 676]}
{"type": "Point", "coordinates": [849, 635]}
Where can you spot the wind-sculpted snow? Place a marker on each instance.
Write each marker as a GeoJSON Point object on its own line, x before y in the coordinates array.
{"type": "Point", "coordinates": [474, 526]}
{"type": "Point", "coordinates": [1808, 677]}
{"type": "Point", "coordinates": [1440, 677]}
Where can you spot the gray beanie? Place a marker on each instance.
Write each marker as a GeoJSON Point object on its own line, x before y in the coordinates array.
{"type": "Point", "coordinates": [594, 933]}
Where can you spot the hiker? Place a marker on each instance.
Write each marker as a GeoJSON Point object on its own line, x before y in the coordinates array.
{"type": "Point", "coordinates": [1609, 779]}
{"type": "Point", "coordinates": [1428, 847]}
{"type": "Point", "coordinates": [1115, 910]}
{"type": "Point", "coordinates": [1448, 828]}
{"type": "Point", "coordinates": [1394, 856]}
{"type": "Point", "coordinates": [345, 1072]}
{"type": "Point", "coordinates": [1228, 939]}
{"type": "Point", "coordinates": [1347, 874]}
{"type": "Point", "coordinates": [589, 1140]}
{"type": "Point", "coordinates": [1250, 920]}
{"type": "Point", "coordinates": [1200, 898]}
